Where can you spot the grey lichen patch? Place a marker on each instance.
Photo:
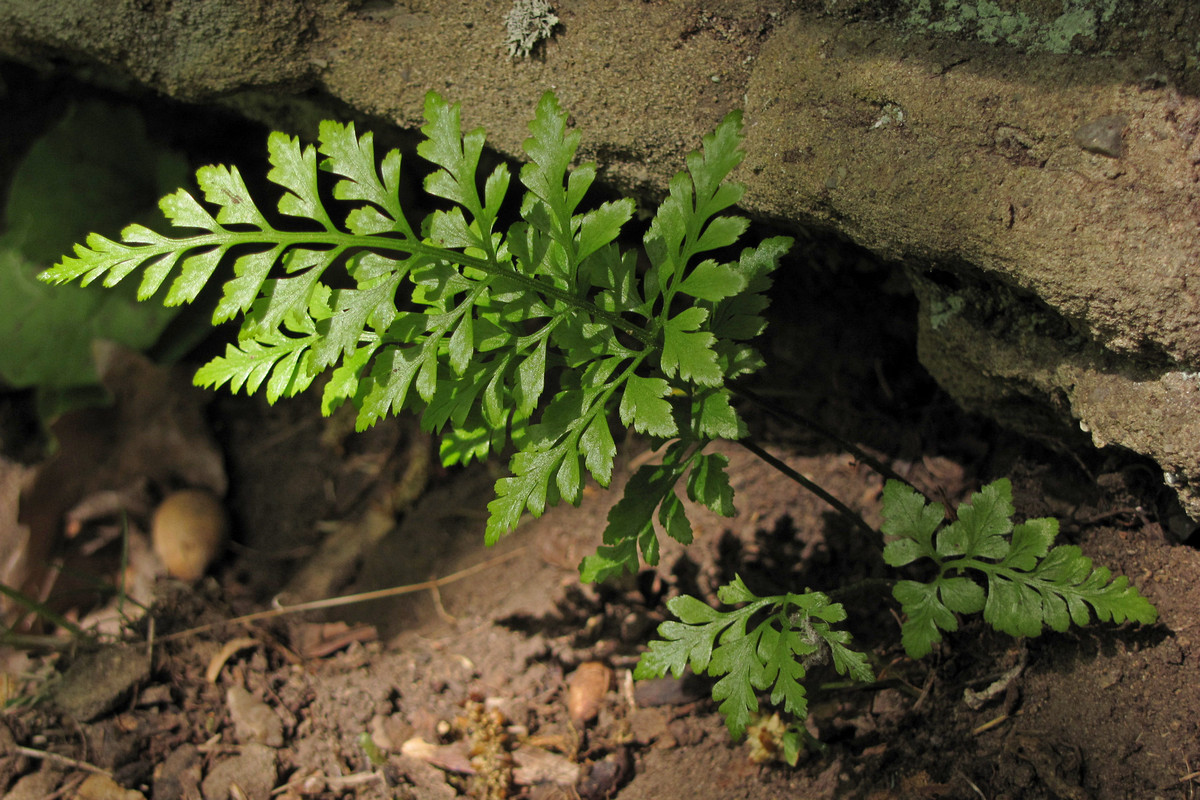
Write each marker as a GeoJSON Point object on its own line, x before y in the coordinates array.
{"type": "Point", "coordinates": [1010, 23]}
{"type": "Point", "coordinates": [943, 309]}
{"type": "Point", "coordinates": [528, 22]}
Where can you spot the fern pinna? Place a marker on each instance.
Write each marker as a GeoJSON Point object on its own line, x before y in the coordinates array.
{"type": "Point", "coordinates": [471, 325]}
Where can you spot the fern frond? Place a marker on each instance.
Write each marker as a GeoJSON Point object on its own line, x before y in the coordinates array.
{"type": "Point", "coordinates": [766, 645]}
{"type": "Point", "coordinates": [540, 335]}
{"type": "Point", "coordinates": [1029, 586]}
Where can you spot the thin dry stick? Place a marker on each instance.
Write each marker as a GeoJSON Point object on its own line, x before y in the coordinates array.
{"type": "Point", "coordinates": [350, 599]}
{"type": "Point", "coordinates": [45, 755]}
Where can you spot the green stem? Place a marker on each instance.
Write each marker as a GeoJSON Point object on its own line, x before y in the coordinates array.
{"type": "Point", "coordinates": [798, 419]}
{"type": "Point", "coordinates": [841, 507]}
{"type": "Point", "coordinates": [339, 239]}
{"type": "Point", "coordinates": [43, 611]}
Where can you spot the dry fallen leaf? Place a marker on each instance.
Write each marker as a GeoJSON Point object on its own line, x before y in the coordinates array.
{"type": "Point", "coordinates": [14, 537]}
{"type": "Point", "coordinates": [319, 639]}
{"type": "Point", "coordinates": [155, 433]}
{"type": "Point", "coordinates": [217, 662]}
{"type": "Point", "coordinates": [534, 765]}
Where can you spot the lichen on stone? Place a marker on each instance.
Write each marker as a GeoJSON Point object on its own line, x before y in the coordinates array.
{"type": "Point", "coordinates": [1007, 21]}
{"type": "Point", "coordinates": [528, 22]}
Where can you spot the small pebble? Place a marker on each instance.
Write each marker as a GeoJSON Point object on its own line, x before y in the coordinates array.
{"type": "Point", "coordinates": [585, 691]}
{"type": "Point", "coordinates": [1103, 135]}
{"type": "Point", "coordinates": [188, 533]}
{"type": "Point", "coordinates": [253, 720]}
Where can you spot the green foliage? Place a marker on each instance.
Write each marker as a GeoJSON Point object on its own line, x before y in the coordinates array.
{"type": "Point", "coordinates": [1027, 584]}
{"type": "Point", "coordinates": [767, 644]}
{"type": "Point", "coordinates": [95, 168]}
{"type": "Point", "coordinates": [540, 334]}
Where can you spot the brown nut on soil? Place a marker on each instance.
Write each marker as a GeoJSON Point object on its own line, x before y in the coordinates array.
{"type": "Point", "coordinates": [585, 691]}
{"type": "Point", "coordinates": [188, 532]}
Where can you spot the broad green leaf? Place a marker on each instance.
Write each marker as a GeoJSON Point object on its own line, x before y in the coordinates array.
{"type": "Point", "coordinates": [733, 593]}
{"type": "Point", "coordinates": [721, 153]}
{"type": "Point", "coordinates": [609, 561]}
{"type": "Point", "coordinates": [525, 489]}
{"type": "Point", "coordinates": [961, 595]}
{"type": "Point", "coordinates": [673, 518]}
{"type": "Point", "coordinates": [295, 169]}
{"type": "Point", "coordinates": [344, 381]}
{"type": "Point", "coordinates": [717, 419]}
{"type": "Point", "coordinates": [982, 524]}
{"type": "Point", "coordinates": [353, 158]}
{"type": "Point", "coordinates": [250, 272]}
{"type": "Point", "coordinates": [735, 659]}
{"type": "Point", "coordinates": [224, 187]}
{"type": "Point", "coordinates": [926, 617]}
{"type": "Point", "coordinates": [551, 148]}
{"type": "Point", "coordinates": [531, 376]}
{"type": "Point", "coordinates": [598, 449]}
{"type": "Point", "coordinates": [599, 227]}
{"type": "Point", "coordinates": [93, 169]}
{"type": "Point", "coordinates": [788, 635]}
{"type": "Point", "coordinates": [1031, 541]}
{"type": "Point", "coordinates": [721, 232]}
{"type": "Point", "coordinates": [781, 655]}
{"type": "Point", "coordinates": [1029, 586]}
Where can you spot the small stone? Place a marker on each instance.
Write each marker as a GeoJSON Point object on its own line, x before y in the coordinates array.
{"type": "Point", "coordinates": [102, 787]}
{"type": "Point", "coordinates": [253, 720]}
{"type": "Point", "coordinates": [586, 689]}
{"type": "Point", "coordinates": [1103, 135]}
{"type": "Point", "coordinates": [179, 776]}
{"type": "Point", "coordinates": [97, 681]}
{"type": "Point", "coordinates": [188, 533]}
{"type": "Point", "coordinates": [253, 771]}
{"type": "Point", "coordinates": [35, 786]}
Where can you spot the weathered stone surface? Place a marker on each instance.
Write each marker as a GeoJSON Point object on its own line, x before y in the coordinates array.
{"type": "Point", "coordinates": [97, 681]}
{"type": "Point", "coordinates": [187, 50]}
{"type": "Point", "coordinates": [1057, 260]}
{"type": "Point", "coordinates": [1057, 284]}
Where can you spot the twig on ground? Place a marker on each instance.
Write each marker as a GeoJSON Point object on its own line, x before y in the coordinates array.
{"type": "Point", "coordinates": [66, 761]}
{"type": "Point", "coordinates": [350, 599]}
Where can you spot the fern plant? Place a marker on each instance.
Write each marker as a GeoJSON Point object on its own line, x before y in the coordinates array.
{"type": "Point", "coordinates": [1027, 586]}
{"type": "Point", "coordinates": [540, 335]}
{"type": "Point", "coordinates": [767, 644]}
{"type": "Point", "coordinates": [494, 314]}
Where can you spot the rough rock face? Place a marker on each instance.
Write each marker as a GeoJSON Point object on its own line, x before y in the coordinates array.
{"type": "Point", "coordinates": [1047, 210]}
{"type": "Point", "coordinates": [1035, 173]}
